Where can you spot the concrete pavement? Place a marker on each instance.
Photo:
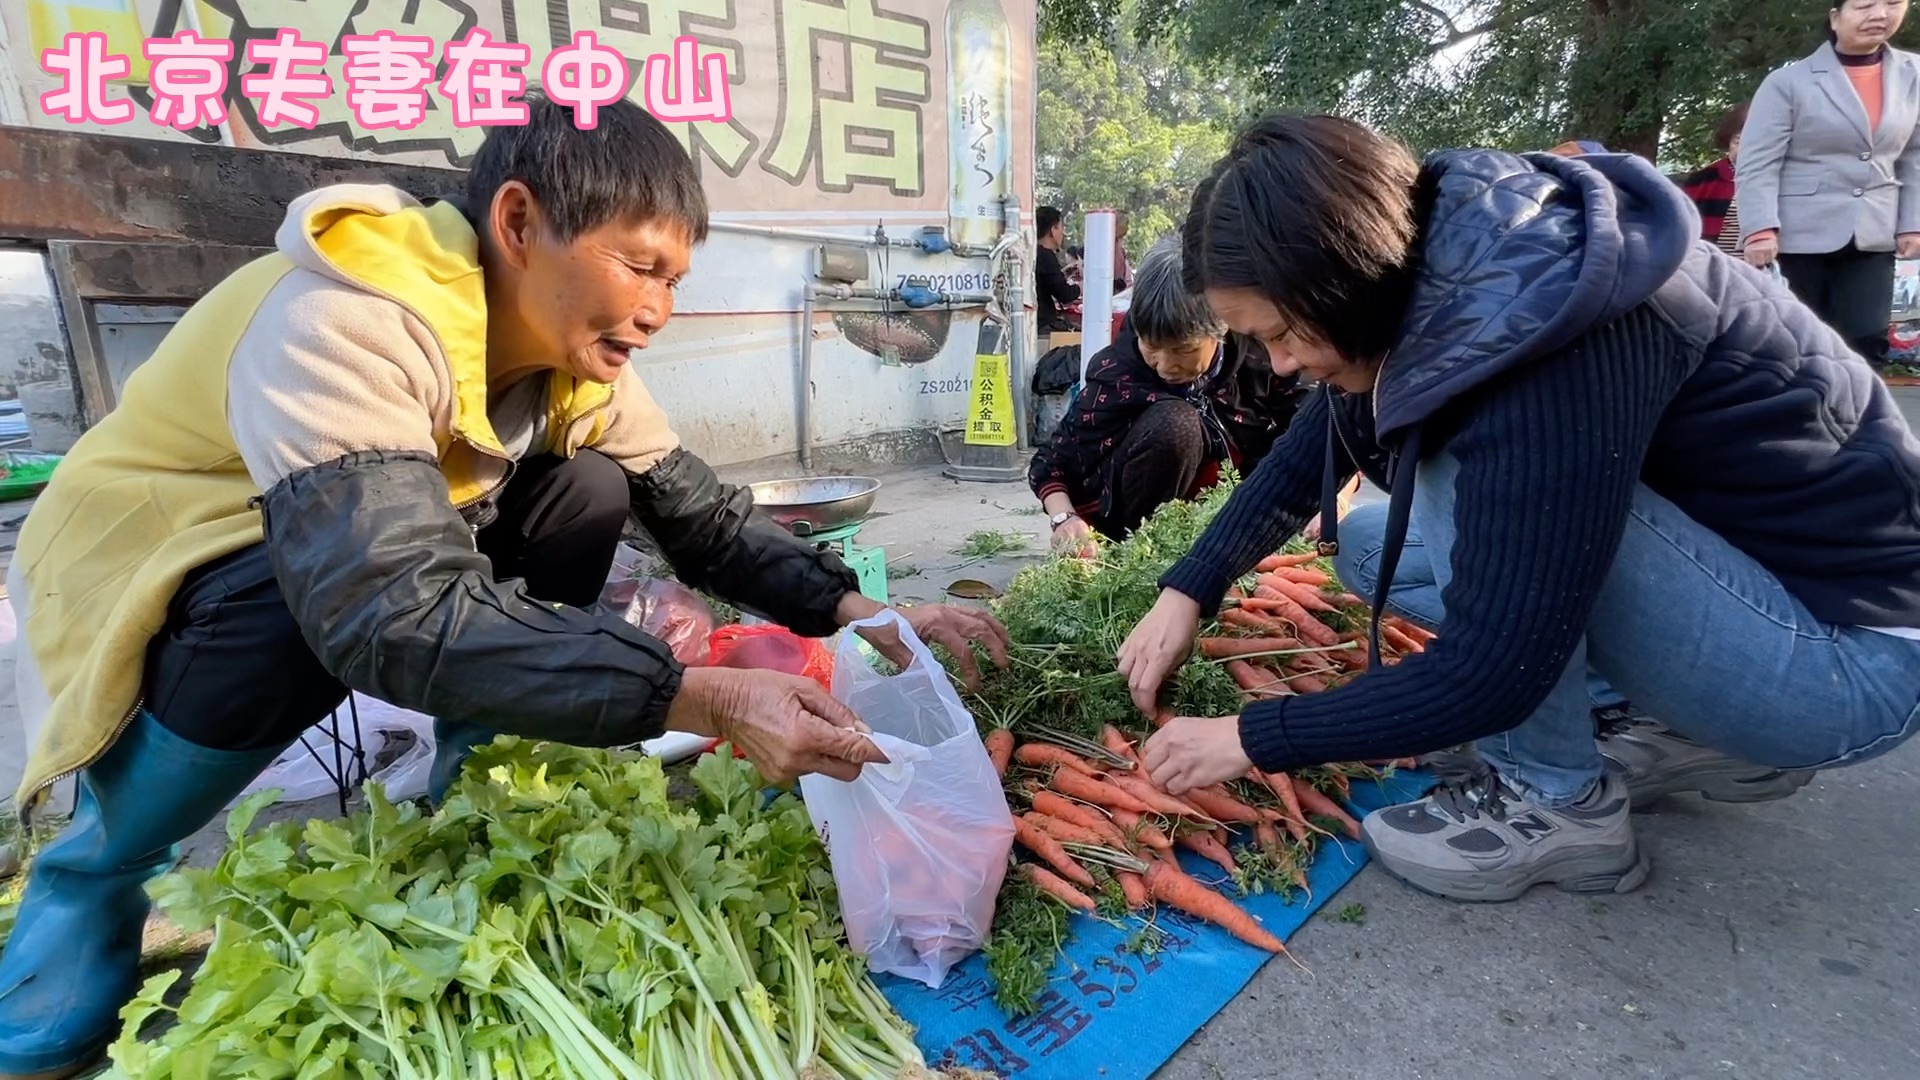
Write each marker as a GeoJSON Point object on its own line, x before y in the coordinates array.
{"type": "Point", "coordinates": [1773, 942]}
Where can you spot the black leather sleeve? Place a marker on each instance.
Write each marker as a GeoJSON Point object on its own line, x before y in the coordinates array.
{"type": "Point", "coordinates": [716, 542]}
{"type": "Point", "coordinates": [382, 576]}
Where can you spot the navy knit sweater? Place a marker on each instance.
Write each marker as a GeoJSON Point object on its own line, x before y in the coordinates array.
{"type": "Point", "coordinates": [1568, 338]}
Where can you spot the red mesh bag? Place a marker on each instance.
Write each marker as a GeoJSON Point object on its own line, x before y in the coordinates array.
{"type": "Point", "coordinates": [770, 648]}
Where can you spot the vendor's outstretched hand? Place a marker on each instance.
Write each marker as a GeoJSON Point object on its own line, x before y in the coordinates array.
{"type": "Point", "coordinates": [1159, 644]}
{"type": "Point", "coordinates": [957, 628]}
{"type": "Point", "coordinates": [1193, 752]}
{"type": "Point", "coordinates": [786, 725]}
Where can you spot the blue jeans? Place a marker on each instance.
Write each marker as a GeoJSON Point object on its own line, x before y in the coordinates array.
{"type": "Point", "coordinates": [1689, 629]}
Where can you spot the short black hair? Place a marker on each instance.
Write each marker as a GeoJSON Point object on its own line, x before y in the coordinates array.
{"type": "Point", "coordinates": [1316, 213]}
{"type": "Point", "coordinates": [1044, 219]}
{"type": "Point", "coordinates": [627, 168]}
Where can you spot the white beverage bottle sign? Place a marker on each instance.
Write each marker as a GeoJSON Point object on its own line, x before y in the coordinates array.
{"type": "Point", "coordinates": [979, 120]}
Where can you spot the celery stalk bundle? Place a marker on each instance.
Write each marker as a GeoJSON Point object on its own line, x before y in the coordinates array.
{"type": "Point", "coordinates": [559, 916]}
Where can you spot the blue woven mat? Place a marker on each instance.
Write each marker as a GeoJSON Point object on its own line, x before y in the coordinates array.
{"type": "Point", "coordinates": [1110, 1014]}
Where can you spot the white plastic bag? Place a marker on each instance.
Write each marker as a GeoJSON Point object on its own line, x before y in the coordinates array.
{"type": "Point", "coordinates": [664, 609]}
{"type": "Point", "coordinates": [919, 846]}
{"type": "Point", "coordinates": [300, 775]}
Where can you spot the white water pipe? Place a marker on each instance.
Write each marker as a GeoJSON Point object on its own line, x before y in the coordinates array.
{"type": "Point", "coordinates": [1096, 288]}
{"type": "Point", "coordinates": [1009, 256]}
{"type": "Point", "coordinates": [877, 239]}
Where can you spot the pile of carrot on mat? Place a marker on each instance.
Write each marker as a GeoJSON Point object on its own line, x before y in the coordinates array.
{"type": "Point", "coordinates": [1092, 815]}
{"type": "Point", "coordinates": [1094, 822]}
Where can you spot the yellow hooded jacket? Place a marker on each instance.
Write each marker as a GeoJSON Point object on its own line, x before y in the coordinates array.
{"type": "Point", "coordinates": [365, 330]}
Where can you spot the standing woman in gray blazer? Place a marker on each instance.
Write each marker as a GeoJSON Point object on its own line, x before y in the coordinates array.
{"type": "Point", "coordinates": [1829, 176]}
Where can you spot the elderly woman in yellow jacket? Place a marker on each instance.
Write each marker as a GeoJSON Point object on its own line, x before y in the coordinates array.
{"type": "Point", "coordinates": [396, 456]}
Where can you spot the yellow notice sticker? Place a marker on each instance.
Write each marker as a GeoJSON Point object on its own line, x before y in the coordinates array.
{"type": "Point", "coordinates": [990, 417]}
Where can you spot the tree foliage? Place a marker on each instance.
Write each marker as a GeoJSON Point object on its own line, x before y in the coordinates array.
{"type": "Point", "coordinates": [1647, 76]}
{"type": "Point", "coordinates": [1131, 126]}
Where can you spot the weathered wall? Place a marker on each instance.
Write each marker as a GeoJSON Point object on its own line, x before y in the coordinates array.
{"type": "Point", "coordinates": [33, 351]}
{"type": "Point", "coordinates": [67, 185]}
{"type": "Point", "coordinates": [33, 345]}
{"type": "Point", "coordinates": [729, 382]}
{"type": "Point", "coordinates": [847, 114]}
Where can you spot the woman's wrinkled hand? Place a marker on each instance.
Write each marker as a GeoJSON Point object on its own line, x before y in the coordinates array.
{"type": "Point", "coordinates": [1075, 535]}
{"type": "Point", "coordinates": [956, 628]}
{"type": "Point", "coordinates": [786, 725]}
{"type": "Point", "coordinates": [1194, 752]}
{"type": "Point", "coordinates": [1160, 643]}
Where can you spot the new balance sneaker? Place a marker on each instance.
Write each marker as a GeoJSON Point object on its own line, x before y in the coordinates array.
{"type": "Point", "coordinates": [1656, 761]}
{"type": "Point", "coordinates": [1476, 838]}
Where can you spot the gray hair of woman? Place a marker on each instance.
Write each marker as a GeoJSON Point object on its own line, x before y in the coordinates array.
{"type": "Point", "coordinates": [1161, 309]}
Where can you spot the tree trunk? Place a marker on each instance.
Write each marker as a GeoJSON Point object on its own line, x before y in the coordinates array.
{"type": "Point", "coordinates": [1615, 78]}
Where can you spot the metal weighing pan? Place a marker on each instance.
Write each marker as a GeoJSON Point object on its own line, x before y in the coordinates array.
{"type": "Point", "coordinates": [816, 504]}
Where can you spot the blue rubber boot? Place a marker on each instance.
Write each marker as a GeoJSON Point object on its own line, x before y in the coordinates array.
{"type": "Point", "coordinates": [73, 958]}
{"type": "Point", "coordinates": [453, 741]}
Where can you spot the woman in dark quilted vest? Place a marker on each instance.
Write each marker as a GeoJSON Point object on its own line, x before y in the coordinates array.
{"type": "Point", "coordinates": [1611, 451]}
{"type": "Point", "coordinates": [1171, 400]}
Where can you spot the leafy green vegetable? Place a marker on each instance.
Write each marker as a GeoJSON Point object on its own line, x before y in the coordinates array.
{"type": "Point", "coordinates": [723, 612]}
{"type": "Point", "coordinates": [1028, 929]}
{"type": "Point", "coordinates": [1068, 616]}
{"type": "Point", "coordinates": [989, 543]}
{"type": "Point", "coordinates": [559, 916]}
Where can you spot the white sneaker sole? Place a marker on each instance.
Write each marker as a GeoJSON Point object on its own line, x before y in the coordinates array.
{"type": "Point", "coordinates": [1574, 870]}
{"type": "Point", "coordinates": [1736, 782]}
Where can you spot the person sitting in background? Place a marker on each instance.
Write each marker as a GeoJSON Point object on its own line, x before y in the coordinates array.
{"type": "Point", "coordinates": [1073, 262]}
{"type": "Point", "coordinates": [1829, 181]}
{"type": "Point", "coordinates": [1163, 407]}
{"type": "Point", "coordinates": [1712, 188]}
{"type": "Point", "coordinates": [1051, 289]}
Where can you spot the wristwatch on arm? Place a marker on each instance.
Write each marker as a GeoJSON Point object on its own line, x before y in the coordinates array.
{"type": "Point", "coordinates": [1060, 519]}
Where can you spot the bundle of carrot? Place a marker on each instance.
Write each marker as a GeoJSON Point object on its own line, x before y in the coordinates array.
{"type": "Point", "coordinates": [1096, 836]}
{"type": "Point", "coordinates": [1096, 824]}
{"type": "Point", "coordinates": [1298, 632]}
